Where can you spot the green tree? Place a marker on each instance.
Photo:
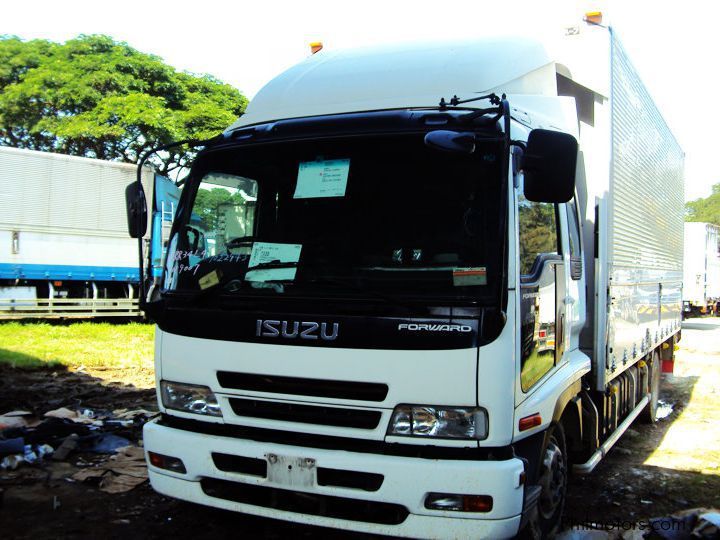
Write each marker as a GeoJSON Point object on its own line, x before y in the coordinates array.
{"type": "Point", "coordinates": [95, 97]}
{"type": "Point", "coordinates": [706, 210]}
{"type": "Point", "coordinates": [538, 233]}
{"type": "Point", "coordinates": [207, 202]}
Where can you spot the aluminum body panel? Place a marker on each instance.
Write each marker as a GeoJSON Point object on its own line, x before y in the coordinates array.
{"type": "Point", "coordinates": [645, 214]}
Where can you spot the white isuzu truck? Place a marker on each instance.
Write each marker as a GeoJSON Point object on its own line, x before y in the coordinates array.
{"type": "Point", "coordinates": [459, 270]}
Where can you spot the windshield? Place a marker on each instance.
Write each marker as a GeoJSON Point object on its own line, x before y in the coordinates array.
{"type": "Point", "coordinates": [385, 215]}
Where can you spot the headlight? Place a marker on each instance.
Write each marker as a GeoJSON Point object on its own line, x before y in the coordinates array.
{"type": "Point", "coordinates": [189, 398]}
{"type": "Point", "coordinates": [439, 422]}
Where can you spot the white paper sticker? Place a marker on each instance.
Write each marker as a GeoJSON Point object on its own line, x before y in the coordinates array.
{"type": "Point", "coordinates": [265, 252]}
{"type": "Point", "coordinates": [322, 179]}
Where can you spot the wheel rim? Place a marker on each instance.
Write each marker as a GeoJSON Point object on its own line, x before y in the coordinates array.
{"type": "Point", "coordinates": [552, 480]}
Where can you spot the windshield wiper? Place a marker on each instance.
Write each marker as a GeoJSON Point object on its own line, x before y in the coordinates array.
{"type": "Point", "coordinates": [272, 264]}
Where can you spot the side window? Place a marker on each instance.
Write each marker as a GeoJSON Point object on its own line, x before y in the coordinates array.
{"type": "Point", "coordinates": [537, 232]}
{"type": "Point", "coordinates": [537, 238]}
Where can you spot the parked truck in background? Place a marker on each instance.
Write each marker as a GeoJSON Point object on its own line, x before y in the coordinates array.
{"type": "Point", "coordinates": [439, 302]}
{"type": "Point", "coordinates": [64, 250]}
{"type": "Point", "coordinates": [701, 276]}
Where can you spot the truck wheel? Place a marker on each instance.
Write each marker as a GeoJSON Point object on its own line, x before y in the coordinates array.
{"type": "Point", "coordinates": [649, 414]}
{"type": "Point", "coordinates": [553, 483]}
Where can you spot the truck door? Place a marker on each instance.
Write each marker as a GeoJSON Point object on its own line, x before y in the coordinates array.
{"type": "Point", "coordinates": [543, 318]}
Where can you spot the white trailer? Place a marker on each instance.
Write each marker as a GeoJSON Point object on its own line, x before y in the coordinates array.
{"type": "Point", "coordinates": [440, 302]}
{"type": "Point", "coordinates": [64, 250]}
{"type": "Point", "coordinates": [701, 276]}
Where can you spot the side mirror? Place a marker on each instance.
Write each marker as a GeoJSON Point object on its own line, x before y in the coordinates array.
{"type": "Point", "coordinates": [451, 141]}
{"type": "Point", "coordinates": [136, 210]}
{"type": "Point", "coordinates": [549, 166]}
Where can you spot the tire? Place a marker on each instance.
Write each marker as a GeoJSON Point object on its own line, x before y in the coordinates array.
{"type": "Point", "coordinates": [553, 479]}
{"type": "Point", "coordinates": [649, 414]}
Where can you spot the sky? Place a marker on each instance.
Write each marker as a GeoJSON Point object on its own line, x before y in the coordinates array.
{"type": "Point", "coordinates": [673, 45]}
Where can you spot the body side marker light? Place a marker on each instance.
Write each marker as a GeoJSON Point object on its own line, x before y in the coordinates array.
{"type": "Point", "coordinates": [528, 422]}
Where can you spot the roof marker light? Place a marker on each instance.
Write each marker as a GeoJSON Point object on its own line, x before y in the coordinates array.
{"type": "Point", "coordinates": [593, 17]}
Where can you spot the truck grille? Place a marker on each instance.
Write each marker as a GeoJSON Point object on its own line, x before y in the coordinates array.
{"type": "Point", "coordinates": [306, 503]}
{"type": "Point", "coordinates": [306, 414]}
{"type": "Point", "coordinates": [361, 391]}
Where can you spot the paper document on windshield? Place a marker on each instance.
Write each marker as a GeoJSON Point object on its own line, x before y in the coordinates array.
{"type": "Point", "coordinates": [269, 253]}
{"type": "Point", "coordinates": [322, 179]}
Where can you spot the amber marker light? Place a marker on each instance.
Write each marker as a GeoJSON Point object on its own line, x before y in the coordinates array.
{"type": "Point", "coordinates": [166, 462]}
{"type": "Point", "coordinates": [316, 47]}
{"type": "Point", "coordinates": [528, 422]}
{"type": "Point", "coordinates": [593, 17]}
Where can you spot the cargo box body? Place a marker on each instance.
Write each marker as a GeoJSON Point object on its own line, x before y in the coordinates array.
{"type": "Point", "coordinates": [633, 230]}
{"type": "Point", "coordinates": [64, 218]}
{"type": "Point", "coordinates": [701, 278]}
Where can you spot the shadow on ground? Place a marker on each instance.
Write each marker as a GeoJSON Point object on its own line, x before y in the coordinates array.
{"type": "Point", "coordinates": [624, 489]}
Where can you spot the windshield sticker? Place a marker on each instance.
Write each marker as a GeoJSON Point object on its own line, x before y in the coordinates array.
{"type": "Point", "coordinates": [264, 255]}
{"type": "Point", "coordinates": [210, 280]}
{"type": "Point", "coordinates": [322, 179]}
{"type": "Point", "coordinates": [465, 277]}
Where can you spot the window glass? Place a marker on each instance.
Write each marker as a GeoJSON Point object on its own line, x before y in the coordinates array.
{"type": "Point", "coordinates": [361, 218]}
{"type": "Point", "coordinates": [537, 231]}
{"type": "Point", "coordinates": [223, 217]}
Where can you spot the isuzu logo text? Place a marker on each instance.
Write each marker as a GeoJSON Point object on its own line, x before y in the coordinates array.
{"type": "Point", "coordinates": [434, 327]}
{"type": "Point", "coordinates": [296, 329]}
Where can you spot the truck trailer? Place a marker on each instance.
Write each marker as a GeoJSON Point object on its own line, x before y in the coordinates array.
{"type": "Point", "coordinates": [701, 276]}
{"type": "Point", "coordinates": [65, 251]}
{"type": "Point", "coordinates": [459, 276]}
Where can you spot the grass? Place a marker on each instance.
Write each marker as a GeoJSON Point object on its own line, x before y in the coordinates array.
{"type": "Point", "coordinates": [90, 344]}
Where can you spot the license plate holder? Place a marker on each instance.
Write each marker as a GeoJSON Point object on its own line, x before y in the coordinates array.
{"type": "Point", "coordinates": [291, 470]}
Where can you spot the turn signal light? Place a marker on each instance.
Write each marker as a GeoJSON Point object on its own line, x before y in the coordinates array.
{"type": "Point", "coordinates": [528, 422]}
{"type": "Point", "coordinates": [458, 503]}
{"type": "Point", "coordinates": [316, 47]}
{"type": "Point", "coordinates": [166, 462]}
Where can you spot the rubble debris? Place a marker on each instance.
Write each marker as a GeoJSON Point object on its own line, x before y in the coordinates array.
{"type": "Point", "coordinates": [693, 524]}
{"type": "Point", "coordinates": [68, 444]}
{"type": "Point", "coordinates": [122, 472]}
{"type": "Point", "coordinates": [60, 432]}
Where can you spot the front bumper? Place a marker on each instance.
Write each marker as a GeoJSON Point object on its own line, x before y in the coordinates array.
{"type": "Point", "coordinates": [405, 484]}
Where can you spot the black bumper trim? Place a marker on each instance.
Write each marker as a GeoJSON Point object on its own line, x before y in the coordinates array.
{"type": "Point", "coordinates": [348, 444]}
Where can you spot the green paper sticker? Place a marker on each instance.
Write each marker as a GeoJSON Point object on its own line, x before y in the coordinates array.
{"type": "Point", "coordinates": [467, 277]}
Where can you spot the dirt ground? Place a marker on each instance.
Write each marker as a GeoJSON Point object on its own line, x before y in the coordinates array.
{"type": "Point", "coordinates": [653, 471]}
